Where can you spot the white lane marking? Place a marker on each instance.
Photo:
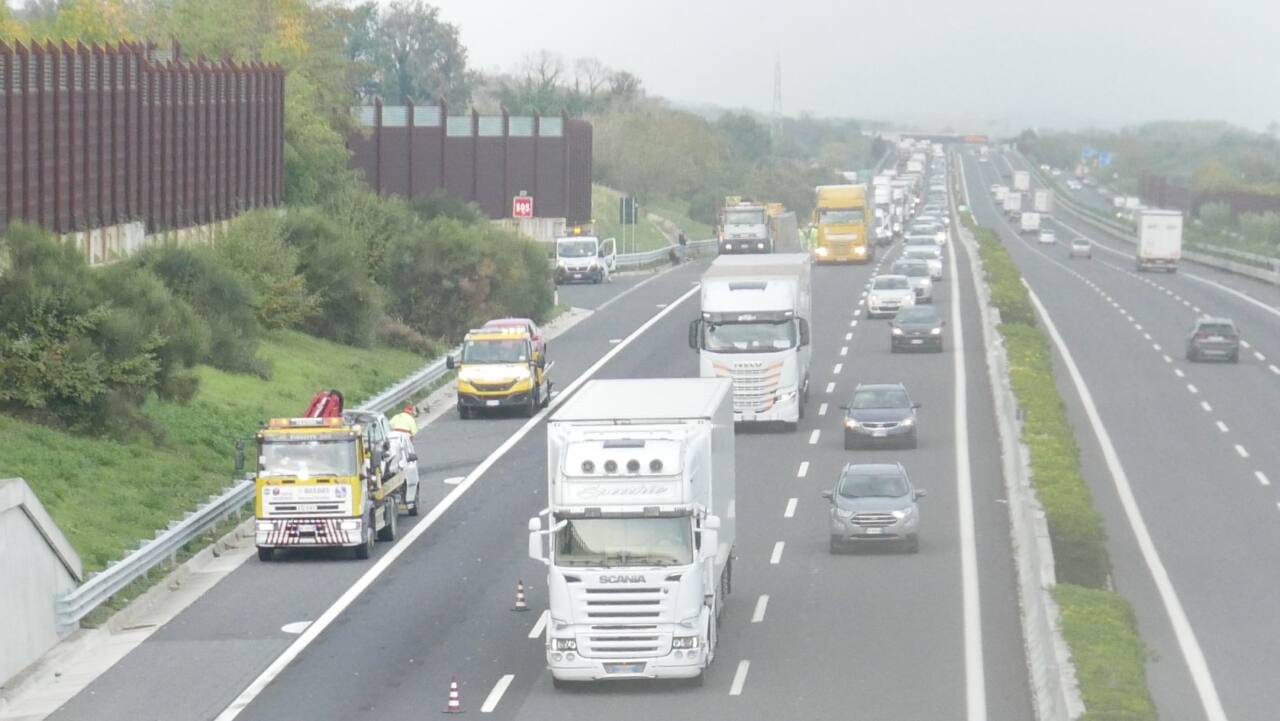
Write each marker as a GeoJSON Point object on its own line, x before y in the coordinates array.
{"type": "Point", "coordinates": [1185, 635]}
{"type": "Point", "coordinates": [1274, 369]}
{"type": "Point", "coordinates": [1244, 343]}
{"type": "Point", "coordinates": [536, 631]}
{"type": "Point", "coordinates": [1223, 427]}
{"type": "Point", "coordinates": [295, 628]}
{"type": "Point", "coordinates": [762, 603]}
{"type": "Point", "coordinates": [791, 508]}
{"type": "Point", "coordinates": [776, 556]}
{"type": "Point", "coordinates": [1241, 450]}
{"type": "Point", "coordinates": [1195, 309]}
{"type": "Point", "coordinates": [1177, 297]}
{"type": "Point", "coordinates": [974, 666]}
{"type": "Point", "coordinates": [1191, 387]}
{"type": "Point", "coordinates": [822, 409]}
{"type": "Point", "coordinates": [857, 312]}
{"type": "Point", "coordinates": [1242, 296]}
{"type": "Point", "coordinates": [1262, 478]}
{"type": "Point", "coordinates": [454, 480]}
{"type": "Point", "coordinates": [1207, 408]}
{"type": "Point", "coordinates": [1261, 358]}
{"type": "Point", "coordinates": [379, 567]}
{"type": "Point", "coordinates": [615, 340]}
{"type": "Point", "coordinates": [661, 305]}
{"type": "Point", "coordinates": [1167, 359]}
{"type": "Point", "coordinates": [804, 469]}
{"type": "Point", "coordinates": [1146, 336]}
{"type": "Point", "coordinates": [844, 350]}
{"type": "Point", "coordinates": [1138, 326]}
{"type": "Point", "coordinates": [1157, 346]}
{"type": "Point", "coordinates": [1186, 303]}
{"type": "Point", "coordinates": [853, 323]}
{"type": "Point", "coordinates": [813, 437]}
{"type": "Point", "coordinates": [836, 371]}
{"type": "Point", "coordinates": [848, 336]}
{"type": "Point", "coordinates": [1178, 372]}
{"type": "Point", "coordinates": [831, 386]}
{"type": "Point", "coordinates": [495, 695]}
{"type": "Point", "coordinates": [739, 678]}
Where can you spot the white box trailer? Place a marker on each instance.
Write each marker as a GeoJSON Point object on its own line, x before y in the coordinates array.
{"type": "Point", "coordinates": [1042, 201]}
{"type": "Point", "coordinates": [1012, 203]}
{"type": "Point", "coordinates": [1029, 222]}
{"type": "Point", "coordinates": [1022, 180]}
{"type": "Point", "coordinates": [640, 528]}
{"type": "Point", "coordinates": [1159, 239]}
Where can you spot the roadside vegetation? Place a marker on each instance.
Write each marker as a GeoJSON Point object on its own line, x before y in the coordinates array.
{"type": "Point", "coordinates": [1097, 624]}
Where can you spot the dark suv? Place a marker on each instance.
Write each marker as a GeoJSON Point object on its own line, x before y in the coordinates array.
{"type": "Point", "coordinates": [882, 412]}
{"type": "Point", "coordinates": [1214, 338]}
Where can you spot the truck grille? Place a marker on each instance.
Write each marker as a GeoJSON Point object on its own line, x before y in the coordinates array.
{"type": "Point", "coordinates": [754, 389]}
{"type": "Point", "coordinates": [873, 520]}
{"type": "Point", "coordinates": [493, 387]}
{"type": "Point", "coordinates": [630, 641]}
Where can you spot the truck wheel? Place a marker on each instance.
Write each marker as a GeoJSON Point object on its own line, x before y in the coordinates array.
{"type": "Point", "coordinates": [560, 685]}
{"type": "Point", "coordinates": [531, 409]}
{"type": "Point", "coordinates": [365, 549]}
{"type": "Point", "coordinates": [266, 554]}
{"type": "Point", "coordinates": [388, 530]}
{"type": "Point", "coordinates": [417, 500]}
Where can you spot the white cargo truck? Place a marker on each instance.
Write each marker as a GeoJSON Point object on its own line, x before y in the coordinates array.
{"type": "Point", "coordinates": [639, 533]}
{"type": "Point", "coordinates": [754, 329]}
{"type": "Point", "coordinates": [1022, 180]}
{"type": "Point", "coordinates": [1159, 239]}
{"type": "Point", "coordinates": [1042, 201]}
{"type": "Point", "coordinates": [1012, 203]}
{"type": "Point", "coordinates": [1029, 222]}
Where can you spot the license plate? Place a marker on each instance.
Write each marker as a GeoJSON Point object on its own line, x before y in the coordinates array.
{"type": "Point", "coordinates": [917, 341]}
{"type": "Point", "coordinates": [874, 531]}
{"type": "Point", "coordinates": [879, 434]}
{"type": "Point", "coordinates": [1215, 338]}
{"type": "Point", "coordinates": [307, 528]}
{"type": "Point", "coordinates": [577, 276]}
{"type": "Point", "coordinates": [624, 668]}
{"type": "Point", "coordinates": [491, 403]}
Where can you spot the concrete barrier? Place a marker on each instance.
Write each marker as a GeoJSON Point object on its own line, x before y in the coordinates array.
{"type": "Point", "coordinates": [37, 563]}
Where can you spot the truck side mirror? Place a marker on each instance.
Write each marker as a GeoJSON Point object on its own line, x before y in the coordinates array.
{"type": "Point", "coordinates": [413, 457]}
{"type": "Point", "coordinates": [710, 536]}
{"type": "Point", "coordinates": [804, 332]}
{"type": "Point", "coordinates": [535, 540]}
{"type": "Point", "coordinates": [450, 362]}
{"type": "Point", "coordinates": [695, 329]}
{"type": "Point", "coordinates": [240, 455]}
{"type": "Point", "coordinates": [827, 495]}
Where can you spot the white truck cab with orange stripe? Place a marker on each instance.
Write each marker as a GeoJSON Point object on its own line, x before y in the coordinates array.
{"type": "Point", "coordinates": [754, 329]}
{"type": "Point", "coordinates": [320, 482]}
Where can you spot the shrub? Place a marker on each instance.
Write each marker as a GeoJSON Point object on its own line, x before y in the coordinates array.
{"type": "Point", "coordinates": [336, 267]}
{"type": "Point", "coordinates": [219, 296]}
{"type": "Point", "coordinates": [376, 220]}
{"type": "Point", "coordinates": [254, 249]}
{"type": "Point", "coordinates": [396, 334]}
{"type": "Point", "coordinates": [442, 205]}
{"type": "Point", "coordinates": [1107, 652]}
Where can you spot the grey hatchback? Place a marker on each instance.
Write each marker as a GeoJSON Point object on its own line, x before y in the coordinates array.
{"type": "Point", "coordinates": [874, 503]}
{"type": "Point", "coordinates": [879, 413]}
{"type": "Point", "coordinates": [1214, 338]}
{"type": "Point", "coordinates": [916, 327]}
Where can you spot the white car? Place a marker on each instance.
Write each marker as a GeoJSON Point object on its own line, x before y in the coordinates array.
{"type": "Point", "coordinates": [1047, 237]}
{"type": "Point", "coordinates": [888, 294]}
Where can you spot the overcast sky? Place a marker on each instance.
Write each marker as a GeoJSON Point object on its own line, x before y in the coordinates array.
{"type": "Point", "coordinates": [992, 65]}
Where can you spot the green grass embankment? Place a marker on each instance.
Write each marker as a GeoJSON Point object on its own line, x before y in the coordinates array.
{"type": "Point", "coordinates": [106, 495]}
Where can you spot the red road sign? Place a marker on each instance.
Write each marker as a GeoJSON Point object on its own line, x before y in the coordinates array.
{"type": "Point", "coordinates": [522, 206]}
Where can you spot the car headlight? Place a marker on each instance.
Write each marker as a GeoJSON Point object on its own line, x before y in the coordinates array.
{"type": "Point", "coordinates": [903, 513]}
{"type": "Point", "coordinates": [935, 331]}
{"type": "Point", "coordinates": [908, 421]}
{"type": "Point", "coordinates": [851, 423]}
{"type": "Point", "coordinates": [844, 513]}
{"type": "Point", "coordinates": [760, 246]}
{"type": "Point", "coordinates": [564, 644]}
{"type": "Point", "coordinates": [684, 642]}
{"type": "Point", "coordinates": [897, 331]}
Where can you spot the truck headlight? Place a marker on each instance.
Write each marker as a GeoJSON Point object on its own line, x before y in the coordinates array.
{"type": "Point", "coordinates": [860, 250]}
{"type": "Point", "coordinates": [897, 331]}
{"type": "Point", "coordinates": [760, 246]}
{"type": "Point", "coordinates": [822, 251]}
{"type": "Point", "coordinates": [351, 524]}
{"type": "Point", "coordinates": [564, 644]}
{"type": "Point", "coordinates": [266, 526]}
{"type": "Point", "coordinates": [935, 331]}
{"type": "Point", "coordinates": [684, 642]}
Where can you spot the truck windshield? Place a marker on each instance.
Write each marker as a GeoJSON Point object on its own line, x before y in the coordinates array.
{"type": "Point", "coordinates": [625, 542]}
{"type": "Point", "coordinates": [576, 248]}
{"type": "Point", "coordinates": [756, 337]}
{"type": "Point", "coordinates": [495, 351]}
{"type": "Point", "coordinates": [743, 217]}
{"type": "Point", "coordinates": [307, 459]}
{"type": "Point", "coordinates": [833, 216]}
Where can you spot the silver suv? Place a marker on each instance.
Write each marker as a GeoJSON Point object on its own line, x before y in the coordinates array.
{"type": "Point", "coordinates": [874, 503]}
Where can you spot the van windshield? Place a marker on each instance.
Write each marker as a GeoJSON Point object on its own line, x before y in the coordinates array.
{"type": "Point", "coordinates": [576, 248]}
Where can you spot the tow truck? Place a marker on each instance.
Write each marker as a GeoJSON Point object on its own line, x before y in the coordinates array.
{"type": "Point", "coordinates": [500, 368]}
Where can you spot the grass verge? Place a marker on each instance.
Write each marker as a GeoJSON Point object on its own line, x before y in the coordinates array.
{"type": "Point", "coordinates": [106, 496]}
{"type": "Point", "coordinates": [604, 212]}
{"type": "Point", "coordinates": [1098, 625]}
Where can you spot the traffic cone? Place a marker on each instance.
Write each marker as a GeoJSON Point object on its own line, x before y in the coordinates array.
{"type": "Point", "coordinates": [520, 604]}
{"type": "Point", "coordinates": [455, 700]}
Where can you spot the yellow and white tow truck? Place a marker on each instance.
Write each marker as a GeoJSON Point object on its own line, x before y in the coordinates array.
{"type": "Point", "coordinates": [500, 368]}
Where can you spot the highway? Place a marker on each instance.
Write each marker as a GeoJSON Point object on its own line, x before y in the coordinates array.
{"type": "Point", "coordinates": [872, 635]}
{"type": "Point", "coordinates": [1195, 444]}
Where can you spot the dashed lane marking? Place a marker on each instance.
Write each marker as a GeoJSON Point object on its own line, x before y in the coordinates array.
{"type": "Point", "coordinates": [536, 631]}
{"type": "Point", "coordinates": [822, 409]}
{"type": "Point", "coordinates": [739, 678]}
{"type": "Point", "coordinates": [790, 512]}
{"type": "Point", "coordinates": [762, 603]}
{"type": "Point", "coordinates": [1207, 408]}
{"type": "Point", "coordinates": [495, 695]}
{"type": "Point", "coordinates": [1223, 427]}
{"type": "Point", "coordinates": [1191, 387]}
{"type": "Point", "coordinates": [804, 469]}
{"type": "Point", "coordinates": [831, 386]}
{"type": "Point", "coordinates": [839, 367]}
{"type": "Point", "coordinates": [776, 557]}
{"type": "Point", "coordinates": [1262, 478]}
{"type": "Point", "coordinates": [813, 437]}
{"type": "Point", "coordinates": [1241, 451]}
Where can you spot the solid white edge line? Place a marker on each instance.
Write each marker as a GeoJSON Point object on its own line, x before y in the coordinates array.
{"type": "Point", "coordinates": [762, 603]}
{"type": "Point", "coordinates": [804, 469]}
{"type": "Point", "coordinates": [349, 596]}
{"type": "Point", "coordinates": [739, 678]}
{"type": "Point", "coordinates": [499, 688]}
{"type": "Point", "coordinates": [538, 627]}
{"type": "Point", "coordinates": [1185, 635]}
{"type": "Point", "coordinates": [776, 557]}
{"type": "Point", "coordinates": [791, 508]}
{"type": "Point", "coordinates": [974, 664]}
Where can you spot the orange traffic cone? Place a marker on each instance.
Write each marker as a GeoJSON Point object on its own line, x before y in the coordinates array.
{"type": "Point", "coordinates": [520, 603]}
{"type": "Point", "coordinates": [455, 700]}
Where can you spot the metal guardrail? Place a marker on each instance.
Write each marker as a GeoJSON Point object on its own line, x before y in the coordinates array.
{"type": "Point", "coordinates": [660, 255]}
{"type": "Point", "coordinates": [99, 587]}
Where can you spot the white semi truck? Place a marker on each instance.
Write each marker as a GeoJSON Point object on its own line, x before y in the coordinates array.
{"type": "Point", "coordinates": [1042, 201]}
{"type": "Point", "coordinates": [754, 329]}
{"type": "Point", "coordinates": [639, 533]}
{"type": "Point", "coordinates": [1029, 222]}
{"type": "Point", "coordinates": [1022, 180]}
{"type": "Point", "coordinates": [1159, 239]}
{"type": "Point", "coordinates": [1012, 203]}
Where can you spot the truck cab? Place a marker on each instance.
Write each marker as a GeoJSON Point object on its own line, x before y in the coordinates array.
{"type": "Point", "coordinates": [500, 368]}
{"type": "Point", "coordinates": [584, 259]}
{"type": "Point", "coordinates": [844, 221]}
{"type": "Point", "coordinates": [745, 228]}
{"type": "Point", "coordinates": [319, 482]}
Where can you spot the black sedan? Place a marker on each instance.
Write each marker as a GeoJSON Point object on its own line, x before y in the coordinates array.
{"type": "Point", "coordinates": [916, 327]}
{"type": "Point", "coordinates": [880, 413]}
